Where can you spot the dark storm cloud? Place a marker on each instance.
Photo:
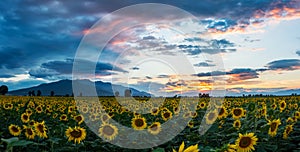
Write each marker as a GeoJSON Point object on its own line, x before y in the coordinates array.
{"type": "Point", "coordinates": [240, 74]}
{"type": "Point", "coordinates": [285, 64]}
{"type": "Point", "coordinates": [235, 74]}
{"type": "Point", "coordinates": [56, 68]}
{"type": "Point", "coordinates": [44, 29]}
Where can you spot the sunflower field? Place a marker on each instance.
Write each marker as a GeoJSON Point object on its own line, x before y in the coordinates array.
{"type": "Point", "coordinates": [264, 124]}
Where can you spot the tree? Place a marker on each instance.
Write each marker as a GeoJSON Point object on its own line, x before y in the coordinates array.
{"type": "Point", "coordinates": [117, 93]}
{"type": "Point", "coordinates": [39, 93]}
{"type": "Point", "coordinates": [29, 93]}
{"type": "Point", "coordinates": [127, 93]}
{"type": "Point", "coordinates": [32, 93]}
{"type": "Point", "coordinates": [52, 93]}
{"type": "Point", "coordinates": [3, 89]}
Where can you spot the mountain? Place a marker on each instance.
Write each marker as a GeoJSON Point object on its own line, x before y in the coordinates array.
{"type": "Point", "coordinates": [276, 93]}
{"type": "Point", "coordinates": [64, 87]}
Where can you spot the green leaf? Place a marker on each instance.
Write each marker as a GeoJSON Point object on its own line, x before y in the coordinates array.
{"type": "Point", "coordinates": [10, 140]}
{"type": "Point", "coordinates": [159, 150]}
{"type": "Point", "coordinates": [21, 143]}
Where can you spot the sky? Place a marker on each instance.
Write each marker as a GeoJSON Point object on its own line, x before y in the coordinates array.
{"type": "Point", "coordinates": [236, 46]}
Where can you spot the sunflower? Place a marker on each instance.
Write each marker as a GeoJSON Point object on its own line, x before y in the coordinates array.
{"type": "Point", "coordinates": [237, 124]}
{"type": "Point", "coordinates": [290, 120]}
{"type": "Point", "coordinates": [105, 117]}
{"type": "Point", "coordinates": [282, 105]}
{"type": "Point", "coordinates": [154, 128]}
{"type": "Point", "coordinates": [29, 111]}
{"type": "Point", "coordinates": [274, 106]}
{"type": "Point", "coordinates": [222, 112]}
{"type": "Point", "coordinates": [263, 111]}
{"type": "Point", "coordinates": [29, 132]}
{"type": "Point", "coordinates": [25, 117]}
{"type": "Point", "coordinates": [191, 124]}
{"type": "Point", "coordinates": [41, 129]}
{"type": "Point", "coordinates": [54, 115]}
{"type": "Point", "coordinates": [63, 117]}
{"type": "Point", "coordinates": [31, 123]}
{"type": "Point", "coordinates": [166, 115]}
{"type": "Point", "coordinates": [176, 110]}
{"type": "Point", "coordinates": [85, 109]}
{"type": "Point", "coordinates": [237, 113]}
{"type": "Point", "coordinates": [273, 127]}
{"type": "Point", "coordinates": [288, 129]}
{"type": "Point", "coordinates": [14, 130]}
{"type": "Point", "coordinates": [230, 148]}
{"type": "Point", "coordinates": [77, 134]}
{"type": "Point", "coordinates": [202, 105]}
{"type": "Point", "coordinates": [39, 109]}
{"type": "Point", "coordinates": [108, 131]}
{"type": "Point", "coordinates": [211, 117]}
{"type": "Point", "coordinates": [139, 123]}
{"type": "Point", "coordinates": [193, 148]}
{"type": "Point", "coordinates": [297, 114]}
{"type": "Point", "coordinates": [79, 119]}
{"type": "Point", "coordinates": [245, 143]}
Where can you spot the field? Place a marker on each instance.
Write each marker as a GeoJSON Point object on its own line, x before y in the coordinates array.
{"type": "Point", "coordinates": [63, 124]}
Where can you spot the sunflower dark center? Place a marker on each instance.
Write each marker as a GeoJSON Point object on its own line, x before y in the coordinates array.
{"type": "Point", "coordinates": [154, 127]}
{"type": "Point", "coordinates": [15, 129]}
{"type": "Point", "coordinates": [25, 117]}
{"type": "Point", "coordinates": [211, 116]}
{"type": "Point", "coordinates": [108, 130]}
{"type": "Point", "coordinates": [273, 126]}
{"type": "Point", "coordinates": [105, 117]}
{"type": "Point", "coordinates": [29, 131]}
{"type": "Point", "coordinates": [76, 133]}
{"type": "Point", "coordinates": [154, 110]}
{"type": "Point", "coordinates": [78, 118]}
{"type": "Point", "coordinates": [245, 142]}
{"type": "Point", "coordinates": [40, 128]}
{"type": "Point", "coordinates": [222, 111]}
{"type": "Point", "coordinates": [237, 112]}
{"type": "Point", "coordinates": [139, 122]}
{"type": "Point", "coordinates": [282, 105]}
{"type": "Point", "coordinates": [166, 114]}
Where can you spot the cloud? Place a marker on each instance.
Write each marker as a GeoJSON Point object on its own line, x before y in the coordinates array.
{"type": "Point", "coordinates": [285, 64]}
{"type": "Point", "coordinates": [298, 52]}
{"type": "Point", "coordinates": [238, 74]}
{"type": "Point", "coordinates": [214, 47]}
{"type": "Point", "coordinates": [149, 38]}
{"type": "Point", "coordinates": [194, 39]}
{"type": "Point", "coordinates": [163, 76]}
{"type": "Point", "coordinates": [6, 76]}
{"type": "Point", "coordinates": [63, 68]}
{"type": "Point", "coordinates": [135, 68]}
{"type": "Point", "coordinates": [203, 64]}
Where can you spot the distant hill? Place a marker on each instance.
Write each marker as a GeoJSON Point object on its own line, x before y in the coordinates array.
{"type": "Point", "coordinates": [276, 93]}
{"type": "Point", "coordinates": [64, 87]}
